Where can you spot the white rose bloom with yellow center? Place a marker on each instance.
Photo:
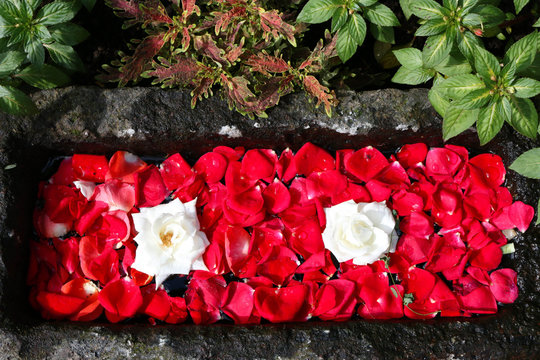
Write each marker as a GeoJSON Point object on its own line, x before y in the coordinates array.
{"type": "Point", "coordinates": [169, 240]}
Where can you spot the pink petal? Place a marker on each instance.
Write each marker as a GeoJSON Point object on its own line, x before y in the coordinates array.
{"type": "Point", "coordinates": [504, 285]}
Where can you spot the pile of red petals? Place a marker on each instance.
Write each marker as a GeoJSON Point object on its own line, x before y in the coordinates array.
{"type": "Point", "coordinates": [263, 215]}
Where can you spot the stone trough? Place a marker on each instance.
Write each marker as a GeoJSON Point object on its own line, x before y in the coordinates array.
{"type": "Point", "coordinates": [153, 122]}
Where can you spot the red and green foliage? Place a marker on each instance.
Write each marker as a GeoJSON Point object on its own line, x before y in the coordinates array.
{"type": "Point", "coordinates": [236, 44]}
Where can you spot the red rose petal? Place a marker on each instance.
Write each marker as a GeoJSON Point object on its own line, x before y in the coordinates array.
{"type": "Point", "coordinates": [149, 187]}
{"type": "Point", "coordinates": [479, 301]}
{"type": "Point", "coordinates": [276, 197]}
{"type": "Point", "coordinates": [93, 210]}
{"type": "Point", "coordinates": [58, 306]}
{"type": "Point", "coordinates": [235, 180]}
{"type": "Point", "coordinates": [237, 302]}
{"type": "Point", "coordinates": [504, 285]}
{"type": "Point", "coordinates": [418, 224]}
{"type": "Point", "coordinates": [249, 202]}
{"type": "Point", "coordinates": [230, 153]}
{"type": "Point", "coordinates": [412, 154]}
{"type": "Point", "coordinates": [405, 202]}
{"type": "Point", "coordinates": [286, 167]}
{"type": "Point", "coordinates": [176, 172]}
{"type": "Point", "coordinates": [487, 258]}
{"type": "Point", "coordinates": [442, 164]}
{"type": "Point", "coordinates": [335, 300]}
{"type": "Point", "coordinates": [123, 163]}
{"type": "Point", "coordinates": [237, 248]}
{"type": "Point", "coordinates": [122, 298]}
{"type": "Point", "coordinates": [517, 215]}
{"type": "Point", "coordinates": [64, 174]}
{"type": "Point", "coordinates": [365, 163]}
{"type": "Point", "coordinates": [156, 303]}
{"type": "Point", "coordinates": [90, 167]}
{"type": "Point", "coordinates": [211, 166]}
{"type": "Point", "coordinates": [311, 158]}
{"type": "Point", "coordinates": [117, 194]}
{"type": "Point", "coordinates": [259, 164]}
{"type": "Point", "coordinates": [283, 304]}
{"type": "Point", "coordinates": [179, 312]}
{"type": "Point", "coordinates": [487, 169]}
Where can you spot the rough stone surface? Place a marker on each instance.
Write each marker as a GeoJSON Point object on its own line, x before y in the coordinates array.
{"type": "Point", "coordinates": [154, 122]}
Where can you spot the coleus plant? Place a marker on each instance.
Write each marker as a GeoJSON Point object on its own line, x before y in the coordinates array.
{"type": "Point", "coordinates": [236, 44]}
{"type": "Point", "coordinates": [348, 21]}
{"type": "Point", "coordinates": [31, 36]}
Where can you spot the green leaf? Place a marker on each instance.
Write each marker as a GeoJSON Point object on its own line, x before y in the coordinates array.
{"type": "Point", "coordinates": [10, 61]}
{"type": "Point", "coordinates": [520, 4]}
{"type": "Point", "coordinates": [457, 121]}
{"type": "Point", "coordinates": [381, 15]}
{"type": "Point", "coordinates": [454, 64]}
{"type": "Point", "coordinates": [528, 164]}
{"type": "Point", "coordinates": [524, 117]}
{"type": "Point", "coordinates": [490, 121]}
{"type": "Point", "coordinates": [450, 4]}
{"type": "Point", "coordinates": [490, 15]}
{"type": "Point", "coordinates": [436, 49]}
{"type": "Point", "coordinates": [35, 51]}
{"type": "Point", "coordinates": [34, 4]}
{"type": "Point", "coordinates": [14, 101]}
{"type": "Point", "coordinates": [508, 73]}
{"type": "Point", "coordinates": [382, 33]}
{"type": "Point", "coordinates": [410, 58]}
{"type": "Point", "coordinates": [43, 77]}
{"type": "Point", "coordinates": [318, 11]}
{"type": "Point", "coordinates": [339, 19]}
{"type": "Point", "coordinates": [89, 4]}
{"type": "Point", "coordinates": [68, 34]}
{"type": "Point", "coordinates": [56, 12]}
{"type": "Point", "coordinates": [412, 76]}
{"type": "Point", "coordinates": [439, 103]}
{"type": "Point", "coordinates": [486, 64]}
{"type": "Point", "coordinates": [431, 27]}
{"type": "Point", "coordinates": [406, 8]}
{"type": "Point", "coordinates": [346, 45]}
{"type": "Point", "coordinates": [426, 9]}
{"type": "Point", "coordinates": [537, 24]}
{"type": "Point", "coordinates": [356, 27]}
{"type": "Point", "coordinates": [533, 71]}
{"type": "Point", "coordinates": [526, 88]}
{"type": "Point", "coordinates": [458, 86]}
{"type": "Point", "coordinates": [468, 5]}
{"type": "Point", "coordinates": [474, 100]}
{"type": "Point", "coordinates": [366, 2]}
{"type": "Point", "coordinates": [523, 51]}
{"type": "Point", "coordinates": [467, 44]}
{"type": "Point", "coordinates": [65, 56]}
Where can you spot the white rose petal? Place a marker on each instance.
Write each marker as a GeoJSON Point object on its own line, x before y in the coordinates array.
{"type": "Point", "coordinates": [169, 240]}
{"type": "Point", "coordinates": [363, 232]}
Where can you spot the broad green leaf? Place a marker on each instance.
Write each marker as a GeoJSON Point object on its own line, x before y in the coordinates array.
{"type": "Point", "coordinates": [458, 86]}
{"type": "Point", "coordinates": [524, 116]}
{"type": "Point", "coordinates": [528, 164]}
{"type": "Point", "coordinates": [346, 45]}
{"type": "Point", "coordinates": [26, 11]}
{"type": "Point", "coordinates": [339, 19]}
{"type": "Point", "coordinates": [472, 19]}
{"type": "Point", "coordinates": [10, 13]}
{"type": "Point", "coordinates": [468, 5]}
{"type": "Point", "coordinates": [454, 64]}
{"type": "Point", "coordinates": [467, 44]}
{"type": "Point", "coordinates": [410, 58]}
{"type": "Point", "coordinates": [65, 56]}
{"type": "Point", "coordinates": [14, 101]}
{"type": "Point", "coordinates": [426, 9]}
{"type": "Point", "coordinates": [412, 76]}
{"type": "Point", "coordinates": [486, 64]}
{"type": "Point", "coordinates": [436, 49]}
{"type": "Point", "coordinates": [520, 4]}
{"type": "Point", "coordinates": [35, 51]}
{"type": "Point", "coordinates": [366, 2]}
{"type": "Point", "coordinates": [439, 103]}
{"type": "Point", "coordinates": [474, 100]}
{"type": "Point", "coordinates": [508, 73]}
{"type": "Point", "coordinates": [533, 71]}
{"type": "Point", "coordinates": [431, 27]}
{"type": "Point", "coordinates": [491, 15]}
{"type": "Point", "coordinates": [490, 121]}
{"type": "Point", "coordinates": [382, 33]}
{"type": "Point", "coordinates": [56, 12]}
{"type": "Point", "coordinates": [450, 4]}
{"type": "Point", "coordinates": [537, 24]}
{"type": "Point", "coordinates": [538, 213]}
{"type": "Point", "coordinates": [10, 61]}
{"type": "Point", "coordinates": [523, 51]}
{"type": "Point", "coordinates": [457, 121]}
{"type": "Point", "coordinates": [19, 36]}
{"type": "Point", "coordinates": [89, 4]}
{"type": "Point", "coordinates": [406, 8]}
{"type": "Point", "coordinates": [318, 11]}
{"type": "Point", "coordinates": [68, 33]}
{"type": "Point", "coordinates": [356, 27]}
{"type": "Point", "coordinates": [526, 88]}
{"type": "Point", "coordinates": [34, 4]}
{"type": "Point", "coordinates": [43, 77]}
{"type": "Point", "coordinates": [381, 15]}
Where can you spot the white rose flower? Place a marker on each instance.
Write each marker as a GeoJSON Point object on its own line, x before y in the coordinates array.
{"type": "Point", "coordinates": [362, 232]}
{"type": "Point", "coordinates": [169, 240]}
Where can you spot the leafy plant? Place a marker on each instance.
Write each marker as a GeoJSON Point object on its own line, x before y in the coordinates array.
{"type": "Point", "coordinates": [348, 21]}
{"type": "Point", "coordinates": [30, 35]}
{"type": "Point", "coordinates": [528, 164]}
{"type": "Point", "coordinates": [236, 44]}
